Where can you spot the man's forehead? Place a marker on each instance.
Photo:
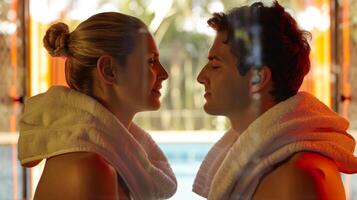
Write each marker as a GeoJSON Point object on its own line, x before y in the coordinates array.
{"type": "Point", "coordinates": [219, 44]}
{"type": "Point", "coordinates": [222, 35]}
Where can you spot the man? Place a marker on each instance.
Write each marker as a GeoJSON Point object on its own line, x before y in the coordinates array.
{"type": "Point", "coordinates": [283, 144]}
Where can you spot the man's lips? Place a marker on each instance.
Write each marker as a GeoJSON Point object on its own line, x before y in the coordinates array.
{"type": "Point", "coordinates": [207, 94]}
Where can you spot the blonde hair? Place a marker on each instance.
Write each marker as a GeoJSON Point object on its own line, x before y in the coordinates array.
{"type": "Point", "coordinates": [109, 33]}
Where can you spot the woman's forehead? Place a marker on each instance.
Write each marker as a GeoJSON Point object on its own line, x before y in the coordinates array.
{"type": "Point", "coordinates": [151, 45]}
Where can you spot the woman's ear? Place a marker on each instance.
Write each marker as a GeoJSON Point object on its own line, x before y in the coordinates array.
{"type": "Point", "coordinates": [260, 78]}
{"type": "Point", "coordinates": [105, 69]}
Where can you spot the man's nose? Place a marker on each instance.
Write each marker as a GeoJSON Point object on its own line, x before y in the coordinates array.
{"type": "Point", "coordinates": [201, 78]}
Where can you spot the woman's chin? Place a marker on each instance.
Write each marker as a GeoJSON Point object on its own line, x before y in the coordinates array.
{"type": "Point", "coordinates": [153, 104]}
{"type": "Point", "coordinates": [156, 106]}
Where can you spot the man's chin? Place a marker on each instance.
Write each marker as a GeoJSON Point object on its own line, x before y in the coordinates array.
{"type": "Point", "coordinates": [210, 110]}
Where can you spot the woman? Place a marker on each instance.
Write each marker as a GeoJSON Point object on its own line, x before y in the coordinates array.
{"type": "Point", "coordinates": [85, 132]}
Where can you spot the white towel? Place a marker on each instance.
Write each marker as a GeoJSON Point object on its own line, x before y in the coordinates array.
{"type": "Point", "coordinates": [301, 123]}
{"type": "Point", "coordinates": [63, 120]}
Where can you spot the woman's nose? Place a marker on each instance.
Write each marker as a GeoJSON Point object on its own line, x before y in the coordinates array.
{"type": "Point", "coordinates": [163, 75]}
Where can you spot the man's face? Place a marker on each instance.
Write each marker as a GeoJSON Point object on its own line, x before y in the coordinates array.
{"type": "Point", "coordinates": [226, 91]}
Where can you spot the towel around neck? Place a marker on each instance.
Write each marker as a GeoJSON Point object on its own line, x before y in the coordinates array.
{"type": "Point", "coordinates": [63, 120]}
{"type": "Point", "coordinates": [301, 123]}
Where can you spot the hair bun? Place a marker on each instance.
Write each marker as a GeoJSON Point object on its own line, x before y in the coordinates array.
{"type": "Point", "coordinates": [56, 40]}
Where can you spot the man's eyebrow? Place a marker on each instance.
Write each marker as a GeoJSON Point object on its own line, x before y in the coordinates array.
{"type": "Point", "coordinates": [154, 54]}
{"type": "Point", "coordinates": [214, 58]}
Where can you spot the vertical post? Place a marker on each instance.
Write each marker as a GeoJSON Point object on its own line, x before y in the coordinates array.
{"type": "Point", "coordinates": [335, 67]}
{"type": "Point", "coordinates": [23, 8]}
{"type": "Point", "coordinates": [345, 67]}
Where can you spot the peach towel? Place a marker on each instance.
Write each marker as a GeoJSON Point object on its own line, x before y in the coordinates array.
{"type": "Point", "coordinates": [234, 166]}
{"type": "Point", "coordinates": [63, 120]}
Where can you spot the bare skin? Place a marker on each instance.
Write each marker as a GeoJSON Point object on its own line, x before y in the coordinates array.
{"type": "Point", "coordinates": [85, 175]}
{"type": "Point", "coordinates": [227, 93]}
{"type": "Point", "coordinates": [230, 94]}
{"type": "Point", "coordinates": [304, 176]}
{"type": "Point", "coordinates": [76, 176]}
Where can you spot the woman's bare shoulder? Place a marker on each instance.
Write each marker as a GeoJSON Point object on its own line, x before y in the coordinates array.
{"type": "Point", "coordinates": [80, 175]}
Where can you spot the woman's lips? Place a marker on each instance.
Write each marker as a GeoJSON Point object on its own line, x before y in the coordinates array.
{"type": "Point", "coordinates": [156, 92]}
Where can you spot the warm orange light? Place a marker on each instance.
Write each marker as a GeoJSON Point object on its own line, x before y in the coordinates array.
{"type": "Point", "coordinates": [346, 54]}
{"type": "Point", "coordinates": [322, 61]}
{"type": "Point", "coordinates": [315, 18]}
{"type": "Point", "coordinates": [39, 63]}
{"type": "Point", "coordinates": [346, 88]}
{"type": "Point", "coordinates": [39, 75]}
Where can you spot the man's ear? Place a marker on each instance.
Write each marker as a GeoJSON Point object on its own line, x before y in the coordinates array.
{"type": "Point", "coordinates": [260, 79]}
{"type": "Point", "coordinates": [105, 69]}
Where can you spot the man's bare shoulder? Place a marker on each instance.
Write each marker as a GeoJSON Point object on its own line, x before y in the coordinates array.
{"type": "Point", "coordinates": [305, 175]}
{"type": "Point", "coordinates": [323, 172]}
{"type": "Point", "coordinates": [77, 176]}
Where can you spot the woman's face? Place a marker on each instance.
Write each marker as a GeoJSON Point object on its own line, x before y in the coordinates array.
{"type": "Point", "coordinates": [156, 74]}
{"type": "Point", "coordinates": [143, 76]}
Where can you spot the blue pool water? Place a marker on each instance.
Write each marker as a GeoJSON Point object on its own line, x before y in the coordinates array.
{"type": "Point", "coordinates": [6, 172]}
{"type": "Point", "coordinates": [185, 159]}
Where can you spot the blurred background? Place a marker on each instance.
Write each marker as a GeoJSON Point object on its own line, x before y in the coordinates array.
{"type": "Point", "coordinates": [181, 127]}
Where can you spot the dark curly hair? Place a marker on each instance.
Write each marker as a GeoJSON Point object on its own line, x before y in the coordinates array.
{"type": "Point", "coordinates": [259, 35]}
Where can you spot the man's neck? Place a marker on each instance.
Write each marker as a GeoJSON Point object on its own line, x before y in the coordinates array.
{"type": "Point", "coordinates": [241, 120]}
